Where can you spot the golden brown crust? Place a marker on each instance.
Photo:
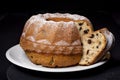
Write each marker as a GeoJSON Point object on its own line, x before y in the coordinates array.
{"type": "Point", "coordinates": [52, 60]}
{"type": "Point", "coordinates": [53, 40]}
{"type": "Point", "coordinates": [53, 33]}
{"type": "Point", "coordinates": [42, 48]}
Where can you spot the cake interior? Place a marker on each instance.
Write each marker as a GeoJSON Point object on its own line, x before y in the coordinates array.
{"type": "Point", "coordinates": [61, 19]}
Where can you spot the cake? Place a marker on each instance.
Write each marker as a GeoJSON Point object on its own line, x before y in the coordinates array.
{"type": "Point", "coordinates": [54, 39]}
{"type": "Point", "coordinates": [96, 45]}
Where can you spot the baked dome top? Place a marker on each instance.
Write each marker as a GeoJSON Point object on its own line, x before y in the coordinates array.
{"type": "Point", "coordinates": [52, 33]}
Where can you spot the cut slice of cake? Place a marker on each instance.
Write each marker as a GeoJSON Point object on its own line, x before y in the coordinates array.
{"type": "Point", "coordinates": [95, 45]}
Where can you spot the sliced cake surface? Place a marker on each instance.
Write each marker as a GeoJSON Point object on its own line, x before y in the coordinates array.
{"type": "Point", "coordinates": [93, 46]}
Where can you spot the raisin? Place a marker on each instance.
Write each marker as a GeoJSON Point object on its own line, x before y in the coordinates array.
{"type": "Point", "coordinates": [92, 53]}
{"type": "Point", "coordinates": [87, 24]}
{"type": "Point", "coordinates": [43, 32]}
{"type": "Point", "coordinates": [31, 56]}
{"type": "Point", "coordinates": [99, 42]}
{"type": "Point", "coordinates": [86, 31]}
{"type": "Point", "coordinates": [51, 61]}
{"type": "Point", "coordinates": [86, 60]}
{"type": "Point", "coordinates": [97, 46]}
{"type": "Point", "coordinates": [87, 52]}
{"type": "Point", "coordinates": [93, 47]}
{"type": "Point", "coordinates": [89, 41]}
{"type": "Point", "coordinates": [47, 19]}
{"type": "Point", "coordinates": [81, 44]}
{"type": "Point", "coordinates": [97, 34]}
{"type": "Point", "coordinates": [80, 24]}
{"type": "Point", "coordinates": [92, 36]}
{"type": "Point", "coordinates": [87, 57]}
{"type": "Point", "coordinates": [80, 28]}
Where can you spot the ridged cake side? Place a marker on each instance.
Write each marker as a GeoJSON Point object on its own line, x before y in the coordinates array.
{"type": "Point", "coordinates": [52, 33]}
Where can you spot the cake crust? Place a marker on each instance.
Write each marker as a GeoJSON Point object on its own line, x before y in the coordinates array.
{"type": "Point", "coordinates": [53, 60]}
{"type": "Point", "coordinates": [53, 33]}
{"type": "Point", "coordinates": [53, 39]}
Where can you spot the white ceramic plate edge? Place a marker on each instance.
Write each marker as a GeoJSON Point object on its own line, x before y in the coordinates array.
{"type": "Point", "coordinates": [24, 62]}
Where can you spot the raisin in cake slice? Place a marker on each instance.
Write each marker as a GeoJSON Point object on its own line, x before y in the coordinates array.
{"type": "Point", "coordinates": [95, 45]}
{"type": "Point", "coordinates": [84, 27]}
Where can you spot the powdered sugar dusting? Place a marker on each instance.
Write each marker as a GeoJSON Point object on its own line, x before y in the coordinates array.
{"type": "Point", "coordinates": [52, 47]}
{"type": "Point", "coordinates": [40, 20]}
{"type": "Point", "coordinates": [44, 41]}
{"type": "Point", "coordinates": [37, 18]}
{"type": "Point", "coordinates": [39, 25]}
{"type": "Point", "coordinates": [38, 51]}
{"type": "Point", "coordinates": [31, 38]}
{"type": "Point", "coordinates": [62, 43]}
{"type": "Point", "coordinates": [69, 24]}
{"type": "Point", "coordinates": [23, 34]}
{"type": "Point", "coordinates": [64, 15]}
{"type": "Point", "coordinates": [42, 17]}
{"type": "Point", "coordinates": [35, 45]}
{"type": "Point", "coordinates": [77, 42]}
{"type": "Point", "coordinates": [70, 48]}
{"type": "Point", "coordinates": [61, 49]}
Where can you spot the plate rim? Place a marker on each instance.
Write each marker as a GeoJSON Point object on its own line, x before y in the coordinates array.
{"type": "Point", "coordinates": [50, 69]}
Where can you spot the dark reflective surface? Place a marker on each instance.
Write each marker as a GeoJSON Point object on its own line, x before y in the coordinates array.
{"type": "Point", "coordinates": [104, 72]}
{"type": "Point", "coordinates": [11, 26]}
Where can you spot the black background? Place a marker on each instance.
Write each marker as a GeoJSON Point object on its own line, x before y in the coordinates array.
{"type": "Point", "coordinates": [14, 13]}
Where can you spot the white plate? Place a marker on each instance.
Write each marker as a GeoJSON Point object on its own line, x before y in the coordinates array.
{"type": "Point", "coordinates": [17, 56]}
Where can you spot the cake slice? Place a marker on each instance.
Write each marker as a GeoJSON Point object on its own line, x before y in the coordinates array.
{"type": "Point", "coordinates": [110, 39]}
{"type": "Point", "coordinates": [95, 45]}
